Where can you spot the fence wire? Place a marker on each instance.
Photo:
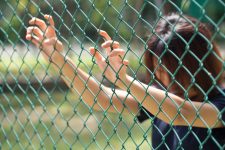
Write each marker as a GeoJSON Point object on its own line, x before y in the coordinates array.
{"type": "Point", "coordinates": [38, 111]}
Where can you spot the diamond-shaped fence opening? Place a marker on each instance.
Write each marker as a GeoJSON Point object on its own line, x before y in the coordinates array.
{"type": "Point", "coordinates": [70, 99]}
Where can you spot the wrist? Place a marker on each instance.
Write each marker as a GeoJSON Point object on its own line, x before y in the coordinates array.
{"type": "Point", "coordinates": [124, 83]}
{"type": "Point", "coordinates": [55, 57]}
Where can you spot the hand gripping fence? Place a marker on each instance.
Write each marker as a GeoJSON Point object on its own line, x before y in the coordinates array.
{"type": "Point", "coordinates": [37, 109]}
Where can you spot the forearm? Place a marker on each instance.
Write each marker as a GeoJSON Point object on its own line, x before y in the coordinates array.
{"type": "Point", "coordinates": [171, 108]}
{"type": "Point", "coordinates": [77, 80]}
{"type": "Point", "coordinates": [93, 93]}
{"type": "Point", "coordinates": [160, 103]}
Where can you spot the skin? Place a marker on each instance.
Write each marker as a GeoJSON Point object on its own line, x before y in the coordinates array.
{"type": "Point", "coordinates": [166, 106]}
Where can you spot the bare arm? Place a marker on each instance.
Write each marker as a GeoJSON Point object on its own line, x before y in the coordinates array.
{"type": "Point", "coordinates": [102, 98]}
{"type": "Point", "coordinates": [173, 109]}
{"type": "Point", "coordinates": [164, 105]}
{"type": "Point", "coordinates": [94, 95]}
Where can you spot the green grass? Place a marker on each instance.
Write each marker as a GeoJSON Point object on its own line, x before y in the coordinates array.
{"type": "Point", "coordinates": [59, 122]}
{"type": "Point", "coordinates": [43, 118]}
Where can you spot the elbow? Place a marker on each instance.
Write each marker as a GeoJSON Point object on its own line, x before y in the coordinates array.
{"type": "Point", "coordinates": [182, 117]}
{"type": "Point", "coordinates": [176, 118]}
{"type": "Point", "coordinates": [179, 119]}
{"type": "Point", "coordinates": [182, 114]}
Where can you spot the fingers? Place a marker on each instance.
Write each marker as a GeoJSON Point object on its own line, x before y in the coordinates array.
{"type": "Point", "coordinates": [34, 39]}
{"type": "Point", "coordinates": [110, 44]}
{"type": "Point", "coordinates": [36, 31]}
{"type": "Point", "coordinates": [112, 47]}
{"type": "Point", "coordinates": [125, 62]}
{"type": "Point", "coordinates": [59, 45]}
{"type": "Point", "coordinates": [96, 54]}
{"type": "Point", "coordinates": [42, 31]}
{"type": "Point", "coordinates": [38, 22]}
{"type": "Point", "coordinates": [117, 52]}
{"type": "Point", "coordinates": [50, 20]}
{"type": "Point", "coordinates": [104, 35]}
{"type": "Point", "coordinates": [41, 23]}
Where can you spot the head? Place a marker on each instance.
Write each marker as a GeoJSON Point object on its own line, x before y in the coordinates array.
{"type": "Point", "coordinates": [183, 58]}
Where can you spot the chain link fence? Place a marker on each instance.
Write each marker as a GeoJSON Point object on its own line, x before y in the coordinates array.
{"type": "Point", "coordinates": [38, 111]}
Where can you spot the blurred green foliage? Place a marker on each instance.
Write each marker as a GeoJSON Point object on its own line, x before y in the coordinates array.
{"type": "Point", "coordinates": [79, 20]}
{"type": "Point", "coordinates": [67, 124]}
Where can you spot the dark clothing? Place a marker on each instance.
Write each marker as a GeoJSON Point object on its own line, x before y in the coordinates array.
{"type": "Point", "coordinates": [165, 136]}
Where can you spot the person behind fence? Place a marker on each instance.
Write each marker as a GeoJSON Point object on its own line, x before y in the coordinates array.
{"type": "Point", "coordinates": [184, 96]}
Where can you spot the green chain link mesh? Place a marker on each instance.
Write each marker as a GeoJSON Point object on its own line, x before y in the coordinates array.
{"type": "Point", "coordinates": [37, 110]}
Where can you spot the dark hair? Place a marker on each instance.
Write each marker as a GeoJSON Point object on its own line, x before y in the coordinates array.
{"type": "Point", "coordinates": [183, 45]}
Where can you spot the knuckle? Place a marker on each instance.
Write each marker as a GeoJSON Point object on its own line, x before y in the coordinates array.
{"type": "Point", "coordinates": [109, 42]}
{"type": "Point", "coordinates": [34, 19]}
{"type": "Point", "coordinates": [54, 39]}
{"type": "Point", "coordinates": [30, 28]}
{"type": "Point", "coordinates": [116, 43]}
{"type": "Point", "coordinates": [40, 20]}
{"type": "Point", "coordinates": [35, 29]}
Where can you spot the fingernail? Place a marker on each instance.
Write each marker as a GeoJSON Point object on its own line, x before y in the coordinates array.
{"type": "Point", "coordinates": [47, 16]}
{"type": "Point", "coordinates": [101, 31]}
{"type": "Point", "coordinates": [31, 20]}
{"type": "Point", "coordinates": [28, 37]}
{"type": "Point", "coordinates": [92, 51]}
{"type": "Point", "coordinates": [103, 45]}
{"type": "Point", "coordinates": [28, 30]}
